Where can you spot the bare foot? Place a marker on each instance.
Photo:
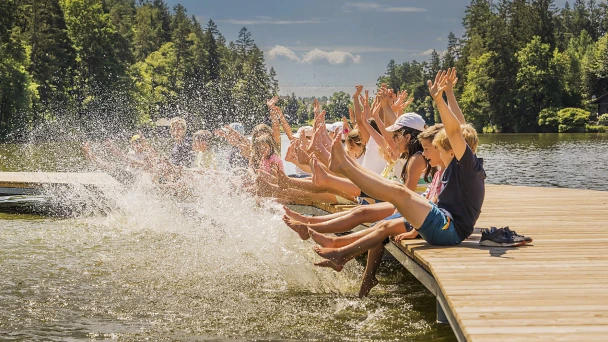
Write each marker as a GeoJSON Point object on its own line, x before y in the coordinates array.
{"type": "Point", "coordinates": [302, 156]}
{"type": "Point", "coordinates": [266, 177]}
{"type": "Point", "coordinates": [282, 179]}
{"type": "Point", "coordinates": [295, 215]}
{"type": "Point", "coordinates": [338, 157]}
{"type": "Point", "coordinates": [330, 254]}
{"type": "Point", "coordinates": [297, 227]}
{"type": "Point", "coordinates": [263, 187]}
{"type": "Point", "coordinates": [322, 239]}
{"type": "Point", "coordinates": [366, 286]}
{"type": "Point", "coordinates": [328, 263]}
{"type": "Point", "coordinates": [319, 176]}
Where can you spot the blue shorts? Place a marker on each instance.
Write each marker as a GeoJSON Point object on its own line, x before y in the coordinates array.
{"type": "Point", "coordinates": [408, 226]}
{"type": "Point", "coordinates": [438, 229]}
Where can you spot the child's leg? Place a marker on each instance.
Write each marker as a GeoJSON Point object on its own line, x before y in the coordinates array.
{"type": "Point", "coordinates": [338, 241]}
{"type": "Point", "coordinates": [313, 219]}
{"type": "Point", "coordinates": [352, 219]}
{"type": "Point", "coordinates": [412, 206]}
{"type": "Point", "coordinates": [338, 185]}
{"type": "Point", "coordinates": [374, 258]}
{"type": "Point", "coordinates": [384, 229]}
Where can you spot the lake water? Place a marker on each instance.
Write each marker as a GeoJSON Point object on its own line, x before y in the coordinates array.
{"type": "Point", "coordinates": [220, 266]}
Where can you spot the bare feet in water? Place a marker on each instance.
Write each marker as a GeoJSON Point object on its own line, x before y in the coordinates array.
{"type": "Point", "coordinates": [322, 239]}
{"type": "Point", "coordinates": [330, 264]}
{"type": "Point", "coordinates": [295, 215]}
{"type": "Point", "coordinates": [297, 227]}
{"type": "Point", "coordinates": [366, 286]}
{"type": "Point", "coordinates": [282, 178]}
{"type": "Point", "coordinates": [331, 254]}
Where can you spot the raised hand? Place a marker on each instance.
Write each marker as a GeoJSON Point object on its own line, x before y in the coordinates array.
{"type": "Point", "coordinates": [436, 88]}
{"type": "Point", "coordinates": [358, 91]}
{"type": "Point", "coordinates": [402, 102]}
{"type": "Point", "coordinates": [272, 101]}
{"type": "Point", "coordinates": [451, 79]}
{"type": "Point", "coordinates": [316, 106]}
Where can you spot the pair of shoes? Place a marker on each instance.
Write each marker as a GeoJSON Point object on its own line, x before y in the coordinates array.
{"type": "Point", "coordinates": [501, 237]}
{"type": "Point", "coordinates": [513, 233]}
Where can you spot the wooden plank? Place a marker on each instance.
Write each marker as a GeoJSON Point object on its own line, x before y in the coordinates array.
{"type": "Point", "coordinates": [554, 289]}
{"type": "Point", "coordinates": [41, 179]}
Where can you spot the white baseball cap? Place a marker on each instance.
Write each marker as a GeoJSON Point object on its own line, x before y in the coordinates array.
{"type": "Point", "coordinates": [411, 120]}
{"type": "Point", "coordinates": [308, 130]}
{"type": "Point", "coordinates": [339, 125]}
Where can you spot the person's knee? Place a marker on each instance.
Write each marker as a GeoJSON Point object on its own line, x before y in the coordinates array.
{"type": "Point", "coordinates": [382, 227]}
{"type": "Point", "coordinates": [360, 211]}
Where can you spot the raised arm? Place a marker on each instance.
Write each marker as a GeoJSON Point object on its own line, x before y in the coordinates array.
{"type": "Point", "coordinates": [449, 120]}
{"type": "Point", "coordinates": [372, 132]}
{"type": "Point", "coordinates": [358, 119]}
{"type": "Point", "coordinates": [401, 103]}
{"type": "Point", "coordinates": [284, 123]}
{"type": "Point", "coordinates": [451, 80]}
{"type": "Point", "coordinates": [388, 136]}
{"type": "Point", "coordinates": [352, 117]}
{"type": "Point", "coordinates": [385, 101]}
{"type": "Point", "coordinates": [276, 128]}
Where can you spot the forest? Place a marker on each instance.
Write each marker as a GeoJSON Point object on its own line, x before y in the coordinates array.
{"type": "Point", "coordinates": [114, 65]}
{"type": "Point", "coordinates": [100, 66]}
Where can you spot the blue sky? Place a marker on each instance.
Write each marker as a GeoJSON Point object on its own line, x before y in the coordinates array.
{"type": "Point", "coordinates": [318, 47]}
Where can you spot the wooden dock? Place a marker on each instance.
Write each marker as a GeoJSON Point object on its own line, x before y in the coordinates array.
{"type": "Point", "coordinates": [554, 289]}
{"type": "Point", "coordinates": [27, 183]}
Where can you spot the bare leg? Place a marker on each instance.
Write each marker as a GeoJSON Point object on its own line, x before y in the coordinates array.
{"type": "Point", "coordinates": [286, 182]}
{"type": "Point", "coordinates": [341, 255]}
{"type": "Point", "coordinates": [337, 241]}
{"type": "Point", "coordinates": [412, 206]}
{"type": "Point", "coordinates": [334, 184]}
{"type": "Point", "coordinates": [374, 258]}
{"type": "Point", "coordinates": [352, 219]}
{"type": "Point", "coordinates": [314, 219]}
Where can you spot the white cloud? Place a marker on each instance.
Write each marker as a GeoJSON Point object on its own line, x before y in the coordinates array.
{"type": "Point", "coordinates": [349, 48]}
{"type": "Point", "coordinates": [423, 53]}
{"type": "Point", "coordinates": [282, 51]}
{"type": "Point", "coordinates": [331, 57]}
{"type": "Point", "coordinates": [315, 56]}
{"type": "Point", "coordinates": [270, 21]}
{"type": "Point", "coordinates": [375, 7]}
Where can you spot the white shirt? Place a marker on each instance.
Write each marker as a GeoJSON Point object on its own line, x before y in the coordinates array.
{"type": "Point", "coordinates": [372, 159]}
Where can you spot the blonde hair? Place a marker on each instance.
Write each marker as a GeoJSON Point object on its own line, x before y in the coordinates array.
{"type": "Point", "coordinates": [468, 132]}
{"type": "Point", "coordinates": [430, 132]}
{"type": "Point", "coordinates": [178, 121]}
{"type": "Point", "coordinates": [353, 138]}
{"type": "Point", "coordinates": [256, 156]}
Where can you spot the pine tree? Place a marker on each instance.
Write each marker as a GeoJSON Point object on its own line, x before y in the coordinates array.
{"type": "Point", "coordinates": [213, 61]}
{"type": "Point", "coordinates": [15, 82]}
{"type": "Point", "coordinates": [52, 60]}
{"type": "Point", "coordinates": [274, 83]}
{"type": "Point", "coordinates": [244, 43]}
{"type": "Point", "coordinates": [181, 27]}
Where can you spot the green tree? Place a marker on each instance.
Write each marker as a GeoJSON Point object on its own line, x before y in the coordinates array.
{"type": "Point", "coordinates": [51, 55]}
{"type": "Point", "coordinates": [538, 84]}
{"type": "Point", "coordinates": [338, 105]}
{"type": "Point", "coordinates": [16, 87]}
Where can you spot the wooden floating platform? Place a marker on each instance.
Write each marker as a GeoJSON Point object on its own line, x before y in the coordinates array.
{"type": "Point", "coordinates": [28, 183]}
{"type": "Point", "coordinates": [554, 289]}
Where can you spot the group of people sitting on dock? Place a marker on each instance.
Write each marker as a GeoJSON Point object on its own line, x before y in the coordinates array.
{"type": "Point", "coordinates": [388, 167]}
